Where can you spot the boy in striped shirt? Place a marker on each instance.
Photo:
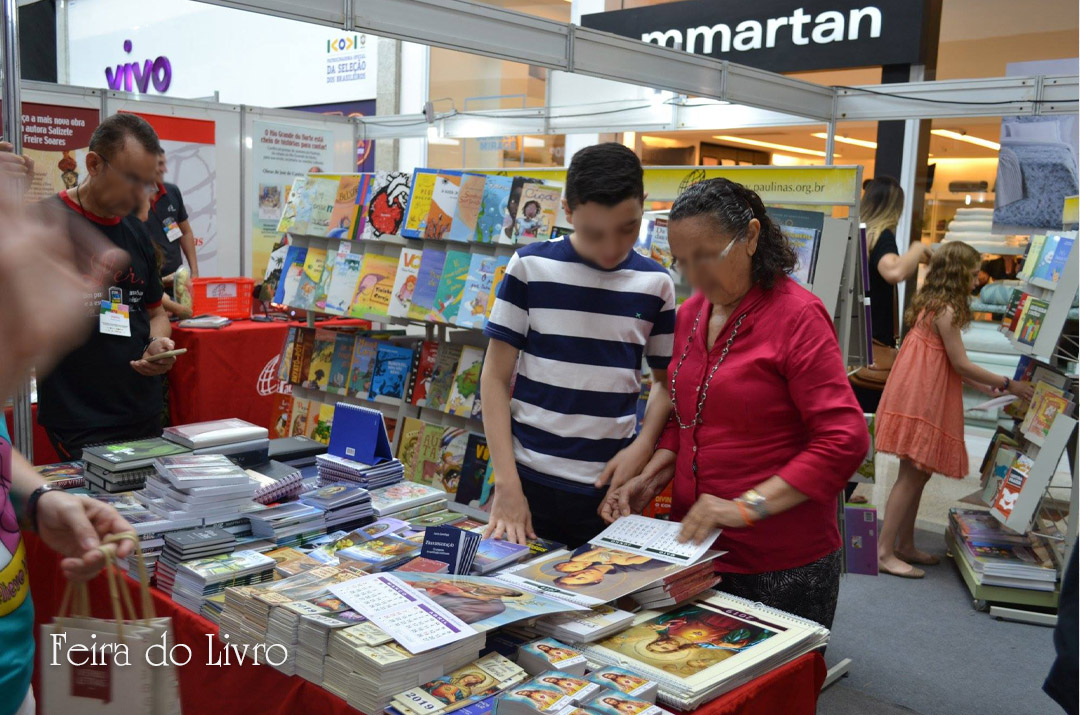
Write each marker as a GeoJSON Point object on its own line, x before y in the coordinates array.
{"type": "Point", "coordinates": [576, 316]}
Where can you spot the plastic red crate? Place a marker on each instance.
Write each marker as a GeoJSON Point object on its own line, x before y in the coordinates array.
{"type": "Point", "coordinates": [227, 297]}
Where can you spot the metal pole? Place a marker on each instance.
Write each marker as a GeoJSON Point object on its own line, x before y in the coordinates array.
{"type": "Point", "coordinates": [12, 115]}
{"type": "Point", "coordinates": [830, 141]}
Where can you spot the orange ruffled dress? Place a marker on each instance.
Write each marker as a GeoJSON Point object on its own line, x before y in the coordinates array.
{"type": "Point", "coordinates": [921, 414]}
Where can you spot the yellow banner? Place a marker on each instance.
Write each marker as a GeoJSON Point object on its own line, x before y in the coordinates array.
{"type": "Point", "coordinates": [1070, 216]}
{"type": "Point", "coordinates": [807, 185]}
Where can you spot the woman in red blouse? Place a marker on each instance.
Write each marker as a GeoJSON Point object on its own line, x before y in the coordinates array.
{"type": "Point", "coordinates": [765, 430]}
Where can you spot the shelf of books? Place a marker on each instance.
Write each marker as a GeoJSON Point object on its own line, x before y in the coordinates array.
{"type": "Point", "coordinates": [1045, 303]}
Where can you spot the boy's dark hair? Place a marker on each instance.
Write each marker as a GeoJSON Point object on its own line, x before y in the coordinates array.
{"type": "Point", "coordinates": [607, 174]}
{"type": "Point", "coordinates": [109, 136]}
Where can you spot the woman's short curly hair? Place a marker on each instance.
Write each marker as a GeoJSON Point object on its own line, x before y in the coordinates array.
{"type": "Point", "coordinates": [732, 206]}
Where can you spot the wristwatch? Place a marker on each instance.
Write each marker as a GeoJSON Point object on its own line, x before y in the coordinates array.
{"type": "Point", "coordinates": [30, 511]}
{"type": "Point", "coordinates": [756, 503]}
{"type": "Point", "coordinates": [1005, 387]}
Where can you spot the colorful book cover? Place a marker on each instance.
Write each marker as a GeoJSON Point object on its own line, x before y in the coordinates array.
{"type": "Point", "coordinates": [288, 212]}
{"type": "Point", "coordinates": [473, 468]}
{"type": "Point", "coordinates": [1032, 321]}
{"type": "Point", "coordinates": [467, 208]}
{"type": "Point", "coordinates": [442, 378]}
{"type": "Point", "coordinates": [1060, 258]}
{"type": "Point", "coordinates": [340, 363]}
{"type": "Point", "coordinates": [301, 358]}
{"type": "Point", "coordinates": [451, 284]}
{"type": "Point", "coordinates": [314, 265]}
{"type": "Point", "coordinates": [321, 192]}
{"type": "Point", "coordinates": [659, 250]}
{"type": "Point", "coordinates": [299, 418]}
{"type": "Point", "coordinates": [513, 202]}
{"type": "Point", "coordinates": [291, 269]}
{"type": "Point", "coordinates": [537, 212]}
{"type": "Point", "coordinates": [322, 289]}
{"type": "Point", "coordinates": [442, 466]}
{"type": "Point", "coordinates": [286, 355]}
{"type": "Point", "coordinates": [343, 217]}
{"type": "Point", "coordinates": [323, 424]}
{"type": "Point", "coordinates": [428, 454]}
{"type": "Point", "coordinates": [427, 283]}
{"type": "Point", "coordinates": [390, 374]}
{"type": "Point", "coordinates": [344, 281]}
{"type": "Point", "coordinates": [463, 390]}
{"type": "Point", "coordinates": [1042, 269]}
{"type": "Point", "coordinates": [1018, 319]}
{"type": "Point", "coordinates": [363, 362]}
{"type": "Point", "coordinates": [423, 185]}
{"type": "Point", "coordinates": [1013, 305]}
{"type": "Point", "coordinates": [500, 273]}
{"type": "Point", "coordinates": [643, 244]}
{"type": "Point", "coordinates": [401, 294]}
{"type": "Point", "coordinates": [1049, 408]}
{"type": "Point", "coordinates": [279, 417]}
{"type": "Point", "coordinates": [409, 447]}
{"type": "Point", "coordinates": [477, 290]}
{"type": "Point", "coordinates": [375, 286]}
{"type": "Point", "coordinates": [1035, 406]}
{"type": "Point", "coordinates": [492, 214]}
{"type": "Point", "coordinates": [322, 354]}
{"type": "Point", "coordinates": [443, 204]}
{"type": "Point", "coordinates": [386, 203]}
{"type": "Point", "coordinates": [425, 371]}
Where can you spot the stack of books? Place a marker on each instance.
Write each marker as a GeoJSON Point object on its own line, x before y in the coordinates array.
{"type": "Point", "coordinates": [246, 444]}
{"type": "Point", "coordinates": [584, 626]}
{"type": "Point", "coordinates": [549, 654]}
{"type": "Point", "coordinates": [344, 506]}
{"type": "Point", "coordinates": [383, 553]}
{"type": "Point", "coordinates": [494, 554]}
{"type": "Point", "coordinates": [124, 466]}
{"type": "Point", "coordinates": [999, 557]}
{"type": "Point", "coordinates": [277, 481]}
{"type": "Point", "coordinates": [150, 527]}
{"type": "Point", "coordinates": [198, 580]}
{"type": "Point", "coordinates": [368, 677]}
{"type": "Point", "coordinates": [63, 475]}
{"type": "Point", "coordinates": [335, 470]}
{"type": "Point", "coordinates": [678, 587]}
{"type": "Point", "coordinates": [189, 545]}
{"type": "Point", "coordinates": [407, 500]}
{"type": "Point", "coordinates": [205, 486]}
{"type": "Point", "coordinates": [314, 634]}
{"type": "Point", "coordinates": [477, 681]}
{"type": "Point", "coordinates": [289, 524]}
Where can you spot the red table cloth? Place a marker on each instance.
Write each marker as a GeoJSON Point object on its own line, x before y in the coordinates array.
{"type": "Point", "coordinates": [791, 689]}
{"type": "Point", "coordinates": [231, 371]}
{"type": "Point", "coordinates": [43, 449]}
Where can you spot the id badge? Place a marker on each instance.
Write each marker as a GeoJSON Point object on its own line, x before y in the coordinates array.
{"type": "Point", "coordinates": [172, 229]}
{"type": "Point", "coordinates": [114, 319]}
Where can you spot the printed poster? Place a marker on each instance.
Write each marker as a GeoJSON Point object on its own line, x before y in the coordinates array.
{"type": "Point", "coordinates": [57, 139]}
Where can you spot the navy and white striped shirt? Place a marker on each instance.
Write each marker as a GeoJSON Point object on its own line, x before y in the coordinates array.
{"type": "Point", "coordinates": [582, 332]}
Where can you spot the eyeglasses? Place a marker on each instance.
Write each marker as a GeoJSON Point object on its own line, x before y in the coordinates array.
{"type": "Point", "coordinates": [133, 181]}
{"type": "Point", "coordinates": [707, 261]}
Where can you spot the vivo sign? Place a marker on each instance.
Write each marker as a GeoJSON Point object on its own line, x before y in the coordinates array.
{"type": "Point", "coordinates": [779, 35]}
{"type": "Point", "coordinates": [132, 76]}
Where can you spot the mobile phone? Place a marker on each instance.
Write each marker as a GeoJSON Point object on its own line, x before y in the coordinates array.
{"type": "Point", "coordinates": [167, 354]}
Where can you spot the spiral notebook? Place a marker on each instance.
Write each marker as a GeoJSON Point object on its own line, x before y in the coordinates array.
{"type": "Point", "coordinates": [359, 433]}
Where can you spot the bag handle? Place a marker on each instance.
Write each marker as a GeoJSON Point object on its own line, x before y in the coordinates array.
{"type": "Point", "coordinates": [147, 601]}
{"type": "Point", "coordinates": [76, 598]}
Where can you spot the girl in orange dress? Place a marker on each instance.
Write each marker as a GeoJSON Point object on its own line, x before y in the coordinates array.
{"type": "Point", "coordinates": [921, 415]}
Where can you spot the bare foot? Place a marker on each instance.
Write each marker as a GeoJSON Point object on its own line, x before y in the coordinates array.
{"type": "Point", "coordinates": [895, 567]}
{"type": "Point", "coordinates": [914, 556]}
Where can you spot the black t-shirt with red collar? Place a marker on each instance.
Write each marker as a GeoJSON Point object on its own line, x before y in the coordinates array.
{"type": "Point", "coordinates": [166, 210]}
{"type": "Point", "coordinates": [94, 385]}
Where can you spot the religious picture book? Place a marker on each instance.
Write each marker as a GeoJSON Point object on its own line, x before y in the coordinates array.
{"type": "Point", "coordinates": [314, 263]}
{"type": "Point", "coordinates": [390, 372]}
{"type": "Point", "coordinates": [340, 363]}
{"type": "Point", "coordinates": [416, 212]}
{"type": "Point", "coordinates": [363, 364]}
{"type": "Point", "coordinates": [477, 290]}
{"type": "Point", "coordinates": [467, 209]}
{"type": "Point", "coordinates": [401, 294]}
{"type": "Point", "coordinates": [387, 198]}
{"type": "Point", "coordinates": [344, 281]}
{"type": "Point", "coordinates": [513, 202]}
{"type": "Point", "coordinates": [451, 285]}
{"type": "Point", "coordinates": [322, 354]}
{"type": "Point", "coordinates": [484, 678]}
{"type": "Point", "coordinates": [427, 283]}
{"type": "Point", "coordinates": [375, 286]}
{"type": "Point", "coordinates": [464, 389]}
{"type": "Point", "coordinates": [536, 212]}
{"type": "Point", "coordinates": [443, 204]}
{"type": "Point", "coordinates": [343, 217]}
{"type": "Point", "coordinates": [492, 214]}
{"type": "Point", "coordinates": [442, 378]}
{"type": "Point", "coordinates": [425, 370]}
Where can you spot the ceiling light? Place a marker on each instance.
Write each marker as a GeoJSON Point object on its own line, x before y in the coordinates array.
{"type": "Point", "coordinates": [847, 140]}
{"type": "Point", "coordinates": [770, 145]}
{"type": "Point", "coordinates": [949, 134]}
{"type": "Point", "coordinates": [533, 143]}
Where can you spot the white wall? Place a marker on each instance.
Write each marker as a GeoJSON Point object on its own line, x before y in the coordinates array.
{"type": "Point", "coordinates": [246, 57]}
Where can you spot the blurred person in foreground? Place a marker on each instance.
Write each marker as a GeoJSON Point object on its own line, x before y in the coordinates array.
{"type": "Point", "coordinates": [36, 252]}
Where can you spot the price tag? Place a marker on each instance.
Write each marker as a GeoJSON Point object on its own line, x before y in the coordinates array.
{"type": "Point", "coordinates": [114, 319]}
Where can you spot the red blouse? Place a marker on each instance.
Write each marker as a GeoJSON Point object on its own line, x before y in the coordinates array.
{"type": "Point", "coordinates": [780, 404]}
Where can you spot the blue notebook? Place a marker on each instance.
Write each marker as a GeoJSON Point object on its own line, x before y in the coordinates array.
{"type": "Point", "coordinates": [359, 433]}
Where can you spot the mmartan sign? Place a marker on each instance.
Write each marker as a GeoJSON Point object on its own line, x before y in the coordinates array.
{"type": "Point", "coordinates": [779, 35]}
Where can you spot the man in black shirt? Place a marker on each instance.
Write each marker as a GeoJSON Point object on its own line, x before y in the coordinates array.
{"type": "Point", "coordinates": [106, 390]}
{"type": "Point", "coordinates": [167, 221]}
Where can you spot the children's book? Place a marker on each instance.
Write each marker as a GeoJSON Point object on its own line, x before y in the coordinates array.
{"type": "Point", "coordinates": [451, 284]}
{"type": "Point", "coordinates": [376, 285]}
{"type": "Point", "coordinates": [442, 378]}
{"type": "Point", "coordinates": [500, 273]}
{"type": "Point", "coordinates": [473, 470]}
{"type": "Point", "coordinates": [288, 212]}
{"type": "Point", "coordinates": [340, 363]}
{"type": "Point", "coordinates": [279, 418]}
{"type": "Point", "coordinates": [536, 212]}
{"type": "Point", "coordinates": [1061, 257]}
{"type": "Point", "coordinates": [425, 371]}
{"type": "Point", "coordinates": [659, 250]}
{"type": "Point", "coordinates": [1031, 257]}
{"type": "Point", "coordinates": [322, 355]}
{"type": "Point", "coordinates": [423, 185]}
{"type": "Point", "coordinates": [343, 217]}
{"type": "Point", "coordinates": [301, 357]}
{"type": "Point", "coordinates": [492, 214]}
{"type": "Point", "coordinates": [467, 208]}
{"type": "Point", "coordinates": [363, 362]}
{"type": "Point", "coordinates": [477, 290]}
{"type": "Point", "coordinates": [513, 202]}
{"type": "Point", "coordinates": [404, 282]}
{"type": "Point", "coordinates": [291, 271]}
{"type": "Point", "coordinates": [1042, 269]}
{"type": "Point", "coordinates": [387, 199]}
{"type": "Point", "coordinates": [427, 283]}
{"type": "Point", "coordinates": [412, 431]}
{"type": "Point", "coordinates": [323, 424]}
{"type": "Point", "coordinates": [321, 192]}
{"type": "Point", "coordinates": [443, 204]}
{"type": "Point", "coordinates": [318, 298]}
{"type": "Point", "coordinates": [428, 453]}
{"type": "Point", "coordinates": [314, 263]}
{"type": "Point", "coordinates": [286, 355]}
{"type": "Point", "coordinates": [1031, 324]}
{"type": "Point", "coordinates": [299, 417]}
{"type": "Point", "coordinates": [444, 471]}
{"type": "Point", "coordinates": [390, 373]}
{"type": "Point", "coordinates": [464, 389]}
{"type": "Point", "coordinates": [344, 281]}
